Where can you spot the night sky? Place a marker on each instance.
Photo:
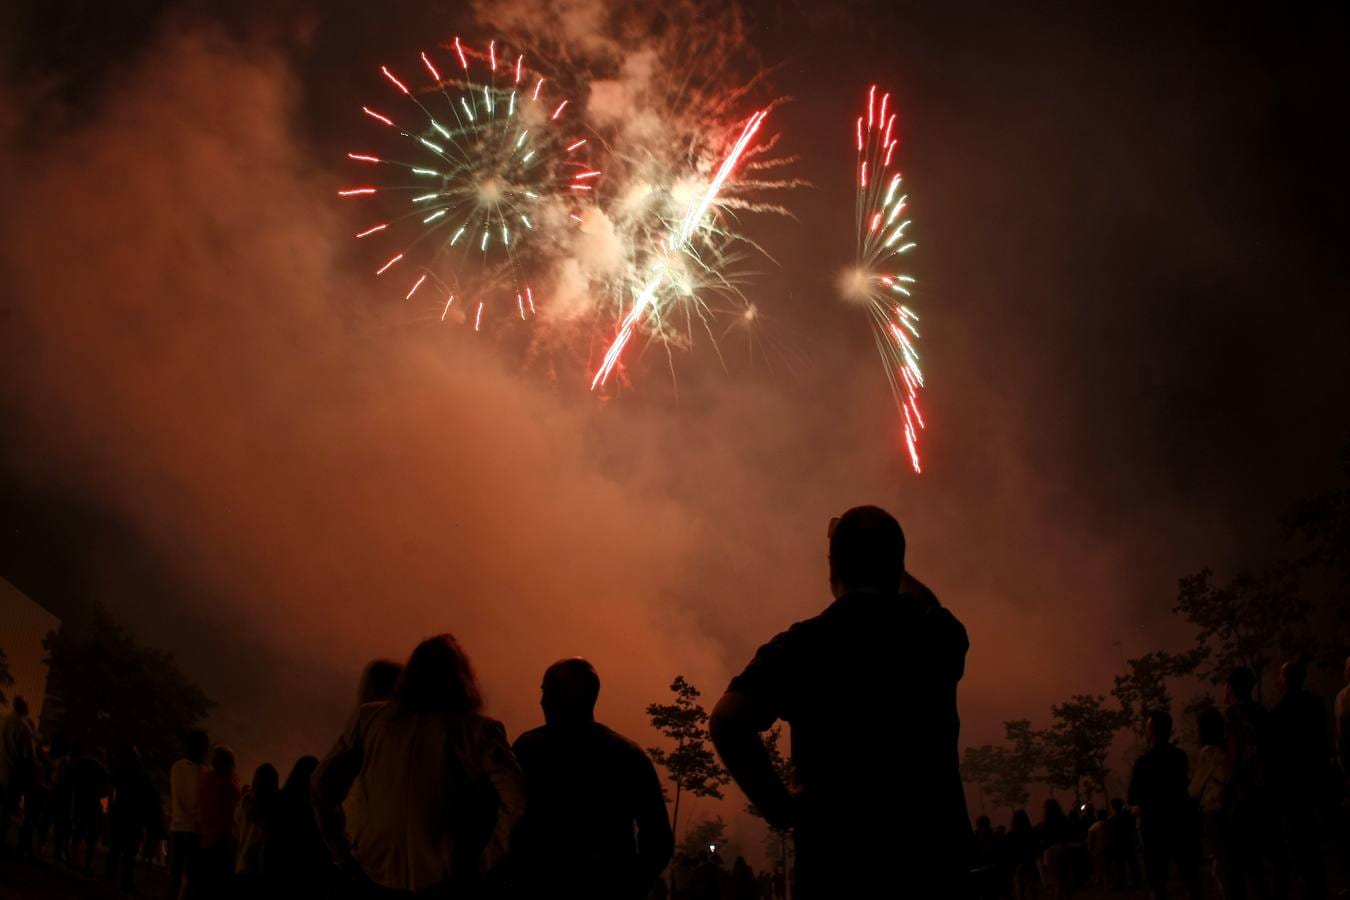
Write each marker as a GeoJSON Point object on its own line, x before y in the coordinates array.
{"type": "Point", "coordinates": [1131, 225]}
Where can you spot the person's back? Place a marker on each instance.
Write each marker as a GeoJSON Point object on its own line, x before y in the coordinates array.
{"type": "Point", "coordinates": [869, 688]}
{"type": "Point", "coordinates": [440, 790]}
{"type": "Point", "coordinates": [1159, 789]}
{"type": "Point", "coordinates": [596, 824]}
{"type": "Point", "coordinates": [1299, 746]}
{"type": "Point", "coordinates": [185, 778]}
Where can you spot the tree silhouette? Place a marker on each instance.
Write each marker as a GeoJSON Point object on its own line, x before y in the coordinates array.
{"type": "Point", "coordinates": [1251, 621]}
{"type": "Point", "coordinates": [691, 765]}
{"type": "Point", "coordinates": [114, 694]}
{"type": "Point", "coordinates": [1143, 687]}
{"type": "Point", "coordinates": [1078, 743]}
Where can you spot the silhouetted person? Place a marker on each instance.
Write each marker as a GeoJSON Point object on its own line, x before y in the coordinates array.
{"type": "Point", "coordinates": [256, 822]}
{"type": "Point", "coordinates": [1056, 833]}
{"type": "Point", "coordinates": [88, 787]}
{"type": "Point", "coordinates": [1300, 773]}
{"type": "Point", "coordinates": [1125, 845]}
{"type": "Point", "coordinates": [1251, 820]}
{"type": "Point", "coordinates": [378, 681]}
{"type": "Point", "coordinates": [869, 688]}
{"type": "Point", "coordinates": [18, 763]}
{"type": "Point", "coordinates": [441, 788]}
{"type": "Point", "coordinates": [217, 797]}
{"type": "Point", "coordinates": [1159, 791]}
{"type": "Point", "coordinates": [1024, 853]}
{"type": "Point", "coordinates": [1211, 782]}
{"type": "Point", "coordinates": [298, 860]}
{"type": "Point", "coordinates": [595, 822]}
{"type": "Point", "coordinates": [184, 782]}
{"type": "Point", "coordinates": [133, 817]}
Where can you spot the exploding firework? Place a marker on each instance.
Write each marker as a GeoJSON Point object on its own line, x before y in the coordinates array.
{"type": "Point", "coordinates": [878, 280]}
{"type": "Point", "coordinates": [675, 244]}
{"type": "Point", "coordinates": [483, 171]}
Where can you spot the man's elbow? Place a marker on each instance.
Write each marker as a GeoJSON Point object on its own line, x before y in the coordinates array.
{"type": "Point", "coordinates": [728, 720]}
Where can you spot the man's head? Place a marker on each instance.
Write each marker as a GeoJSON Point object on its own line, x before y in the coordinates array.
{"type": "Point", "coordinates": [378, 681]}
{"type": "Point", "coordinates": [867, 552]}
{"type": "Point", "coordinates": [1293, 675]}
{"type": "Point", "coordinates": [1159, 727]}
{"type": "Point", "coordinates": [1241, 683]}
{"type": "Point", "coordinates": [20, 707]}
{"type": "Point", "coordinates": [197, 745]}
{"type": "Point", "coordinates": [569, 692]}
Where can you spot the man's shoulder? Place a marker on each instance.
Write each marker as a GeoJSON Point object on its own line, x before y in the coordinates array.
{"type": "Point", "coordinates": [618, 742]}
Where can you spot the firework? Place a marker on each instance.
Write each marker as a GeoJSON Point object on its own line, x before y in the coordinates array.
{"type": "Point", "coordinates": [675, 244]}
{"type": "Point", "coordinates": [483, 168]}
{"type": "Point", "coordinates": [878, 280]}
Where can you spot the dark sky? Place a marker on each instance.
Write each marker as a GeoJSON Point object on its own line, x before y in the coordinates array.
{"type": "Point", "coordinates": [1131, 224]}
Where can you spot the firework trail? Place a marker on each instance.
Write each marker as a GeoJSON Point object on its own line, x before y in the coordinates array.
{"type": "Point", "coordinates": [878, 280]}
{"type": "Point", "coordinates": [483, 168]}
{"type": "Point", "coordinates": [676, 243]}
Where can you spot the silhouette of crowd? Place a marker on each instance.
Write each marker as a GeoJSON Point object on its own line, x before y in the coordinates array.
{"type": "Point", "coordinates": [1259, 812]}
{"type": "Point", "coordinates": [422, 794]}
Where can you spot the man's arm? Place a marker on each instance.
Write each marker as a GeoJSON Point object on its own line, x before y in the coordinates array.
{"type": "Point", "coordinates": [735, 734]}
{"type": "Point", "coordinates": [656, 842]}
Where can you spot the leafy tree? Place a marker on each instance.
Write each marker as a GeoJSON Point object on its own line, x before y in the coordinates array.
{"type": "Point", "coordinates": [1078, 742]}
{"type": "Point", "coordinates": [115, 694]}
{"type": "Point", "coordinates": [691, 766]}
{"type": "Point", "coordinates": [1252, 620]}
{"type": "Point", "coordinates": [1002, 773]}
{"type": "Point", "coordinates": [6, 679]}
{"type": "Point", "coordinates": [779, 838]}
{"type": "Point", "coordinates": [1143, 687]}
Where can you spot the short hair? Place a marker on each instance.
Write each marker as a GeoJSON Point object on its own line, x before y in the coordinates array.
{"type": "Point", "coordinates": [867, 547]}
{"type": "Point", "coordinates": [378, 680]}
{"type": "Point", "coordinates": [20, 706]}
{"type": "Point", "coordinates": [1211, 728]}
{"type": "Point", "coordinates": [578, 673]}
{"type": "Point", "coordinates": [438, 679]}
{"type": "Point", "coordinates": [1242, 680]}
{"type": "Point", "coordinates": [1161, 720]}
{"type": "Point", "coordinates": [1295, 675]}
{"type": "Point", "coordinates": [196, 745]}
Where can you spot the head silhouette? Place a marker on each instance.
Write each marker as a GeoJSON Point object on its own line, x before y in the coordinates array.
{"type": "Point", "coordinates": [196, 745]}
{"type": "Point", "coordinates": [1293, 675]}
{"type": "Point", "coordinates": [867, 552]}
{"type": "Point", "coordinates": [569, 692]}
{"type": "Point", "coordinates": [378, 681]}
{"type": "Point", "coordinates": [222, 761]}
{"type": "Point", "coordinates": [1211, 728]}
{"type": "Point", "coordinates": [438, 679]}
{"type": "Point", "coordinates": [1241, 683]}
{"type": "Point", "coordinates": [1159, 727]}
{"type": "Point", "coordinates": [20, 707]}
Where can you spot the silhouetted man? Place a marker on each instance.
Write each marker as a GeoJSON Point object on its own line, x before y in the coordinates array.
{"type": "Point", "coordinates": [869, 689]}
{"type": "Point", "coordinates": [18, 769]}
{"type": "Point", "coordinates": [1300, 773]}
{"type": "Point", "coordinates": [595, 819]}
{"type": "Point", "coordinates": [1168, 830]}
